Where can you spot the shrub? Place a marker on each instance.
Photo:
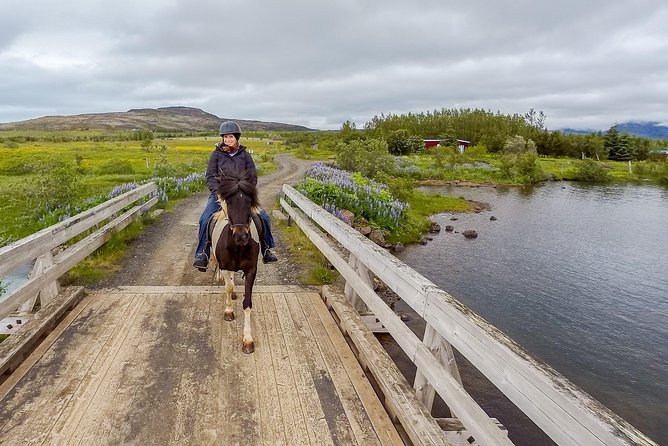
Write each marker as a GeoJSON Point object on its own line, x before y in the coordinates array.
{"type": "Point", "coordinates": [369, 157]}
{"type": "Point", "coordinates": [336, 190]}
{"type": "Point", "coordinates": [591, 171]}
{"type": "Point", "coordinates": [55, 184]}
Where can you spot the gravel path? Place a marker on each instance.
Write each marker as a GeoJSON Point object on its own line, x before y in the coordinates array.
{"type": "Point", "coordinates": [163, 254]}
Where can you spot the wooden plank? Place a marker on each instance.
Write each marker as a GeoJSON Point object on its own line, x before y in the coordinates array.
{"type": "Point", "coordinates": [107, 416]}
{"type": "Point", "coordinates": [458, 435]}
{"type": "Point", "coordinates": [248, 408]}
{"type": "Point", "coordinates": [316, 423]}
{"type": "Point", "coordinates": [31, 247]}
{"type": "Point", "coordinates": [415, 419]}
{"type": "Point", "coordinates": [442, 350]}
{"type": "Point", "coordinates": [380, 422]}
{"type": "Point", "coordinates": [294, 419]}
{"type": "Point", "coordinates": [563, 411]}
{"type": "Point", "coordinates": [50, 290]}
{"type": "Point", "coordinates": [344, 414]}
{"type": "Point", "coordinates": [269, 404]}
{"type": "Point", "coordinates": [17, 345]}
{"type": "Point", "coordinates": [43, 346]}
{"type": "Point", "coordinates": [68, 258]}
{"type": "Point", "coordinates": [37, 401]}
{"type": "Point", "coordinates": [452, 392]}
{"type": "Point", "coordinates": [201, 290]}
{"type": "Point", "coordinates": [85, 396]}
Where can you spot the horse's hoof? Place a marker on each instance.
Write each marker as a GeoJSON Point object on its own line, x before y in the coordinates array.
{"type": "Point", "coordinates": [228, 316]}
{"type": "Point", "coordinates": [248, 347]}
{"type": "Point", "coordinates": [234, 295]}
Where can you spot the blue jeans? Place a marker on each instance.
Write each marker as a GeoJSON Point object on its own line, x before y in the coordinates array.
{"type": "Point", "coordinates": [211, 208]}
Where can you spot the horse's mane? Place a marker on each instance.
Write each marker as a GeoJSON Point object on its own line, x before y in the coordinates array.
{"type": "Point", "coordinates": [231, 182]}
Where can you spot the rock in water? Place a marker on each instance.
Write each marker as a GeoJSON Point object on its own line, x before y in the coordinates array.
{"type": "Point", "coordinates": [470, 233]}
{"type": "Point", "coordinates": [449, 228]}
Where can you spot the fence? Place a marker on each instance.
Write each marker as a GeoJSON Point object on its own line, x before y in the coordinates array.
{"type": "Point", "coordinates": [562, 410]}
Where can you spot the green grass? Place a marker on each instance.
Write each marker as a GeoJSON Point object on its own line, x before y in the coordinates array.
{"type": "Point", "coordinates": [3, 337]}
{"type": "Point", "coordinates": [423, 205]}
{"type": "Point", "coordinates": [314, 154]}
{"type": "Point", "coordinates": [97, 165]}
{"type": "Point", "coordinates": [313, 262]}
{"type": "Point", "coordinates": [558, 169]}
{"type": "Point", "coordinates": [107, 259]}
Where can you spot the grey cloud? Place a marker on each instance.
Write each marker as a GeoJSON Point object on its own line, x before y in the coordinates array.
{"type": "Point", "coordinates": [583, 63]}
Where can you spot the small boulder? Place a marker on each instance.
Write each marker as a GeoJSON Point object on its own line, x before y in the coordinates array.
{"type": "Point", "coordinates": [399, 247]}
{"type": "Point", "coordinates": [377, 237]}
{"type": "Point", "coordinates": [449, 228]}
{"type": "Point", "coordinates": [470, 233]}
{"type": "Point", "coordinates": [365, 230]}
{"type": "Point", "coordinates": [423, 240]}
{"type": "Point", "coordinates": [453, 219]}
{"type": "Point", "coordinates": [492, 218]}
{"type": "Point", "coordinates": [429, 238]}
{"type": "Point", "coordinates": [435, 228]}
{"type": "Point", "coordinates": [345, 213]}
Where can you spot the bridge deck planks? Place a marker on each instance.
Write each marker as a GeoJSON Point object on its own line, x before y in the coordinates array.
{"type": "Point", "coordinates": [158, 365]}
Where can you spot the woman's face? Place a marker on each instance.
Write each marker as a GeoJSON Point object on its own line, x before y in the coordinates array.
{"type": "Point", "coordinates": [229, 140]}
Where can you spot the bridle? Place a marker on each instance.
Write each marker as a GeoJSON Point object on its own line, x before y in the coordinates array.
{"type": "Point", "coordinates": [238, 225]}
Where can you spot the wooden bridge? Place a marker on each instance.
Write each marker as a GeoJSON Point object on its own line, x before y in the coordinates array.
{"type": "Point", "coordinates": [158, 365]}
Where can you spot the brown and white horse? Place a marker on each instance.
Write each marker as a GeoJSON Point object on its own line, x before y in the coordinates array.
{"type": "Point", "coordinates": [233, 249]}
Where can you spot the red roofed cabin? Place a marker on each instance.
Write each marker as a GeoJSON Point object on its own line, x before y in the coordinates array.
{"type": "Point", "coordinates": [462, 144]}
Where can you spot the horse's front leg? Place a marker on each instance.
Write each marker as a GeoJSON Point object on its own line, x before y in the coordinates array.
{"type": "Point", "coordinates": [229, 295]}
{"type": "Point", "coordinates": [248, 345]}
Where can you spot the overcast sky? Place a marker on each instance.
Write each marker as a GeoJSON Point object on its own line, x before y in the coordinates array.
{"type": "Point", "coordinates": [586, 64]}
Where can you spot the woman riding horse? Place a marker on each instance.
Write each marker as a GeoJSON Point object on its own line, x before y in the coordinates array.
{"type": "Point", "coordinates": [229, 155]}
{"type": "Point", "coordinates": [233, 248]}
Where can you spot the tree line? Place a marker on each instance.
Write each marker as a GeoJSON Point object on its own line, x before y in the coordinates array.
{"type": "Point", "coordinates": [483, 127]}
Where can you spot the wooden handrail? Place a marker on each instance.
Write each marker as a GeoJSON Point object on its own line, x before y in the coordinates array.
{"type": "Point", "coordinates": [32, 246]}
{"type": "Point", "coordinates": [36, 245]}
{"type": "Point", "coordinates": [562, 410]}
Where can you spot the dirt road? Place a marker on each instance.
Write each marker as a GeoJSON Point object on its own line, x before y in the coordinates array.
{"type": "Point", "coordinates": [163, 254]}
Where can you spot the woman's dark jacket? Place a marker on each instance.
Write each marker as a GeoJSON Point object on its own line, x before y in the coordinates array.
{"type": "Point", "coordinates": [224, 162]}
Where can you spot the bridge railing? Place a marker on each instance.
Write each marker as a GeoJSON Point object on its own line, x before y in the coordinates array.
{"type": "Point", "coordinates": [563, 411]}
{"type": "Point", "coordinates": [37, 247]}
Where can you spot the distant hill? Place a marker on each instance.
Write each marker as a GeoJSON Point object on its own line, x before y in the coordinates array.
{"type": "Point", "coordinates": [164, 119]}
{"type": "Point", "coordinates": [653, 130]}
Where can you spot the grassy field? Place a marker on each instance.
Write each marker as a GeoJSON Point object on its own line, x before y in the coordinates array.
{"type": "Point", "coordinates": [94, 167]}
{"type": "Point", "coordinates": [422, 167]}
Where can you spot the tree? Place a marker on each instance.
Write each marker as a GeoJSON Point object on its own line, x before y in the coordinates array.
{"type": "Point", "coordinates": [349, 131]}
{"type": "Point", "coordinates": [618, 145]}
{"type": "Point", "coordinates": [369, 157]}
{"type": "Point", "coordinates": [517, 145]}
{"type": "Point", "coordinates": [397, 142]}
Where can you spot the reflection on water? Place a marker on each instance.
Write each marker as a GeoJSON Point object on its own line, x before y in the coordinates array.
{"type": "Point", "coordinates": [577, 275]}
{"type": "Point", "coordinates": [15, 279]}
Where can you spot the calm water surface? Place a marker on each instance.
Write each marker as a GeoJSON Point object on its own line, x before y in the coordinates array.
{"type": "Point", "coordinates": [578, 275]}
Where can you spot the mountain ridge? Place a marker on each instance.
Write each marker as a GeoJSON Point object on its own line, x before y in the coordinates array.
{"type": "Point", "coordinates": [644, 129]}
{"type": "Point", "coordinates": [162, 119]}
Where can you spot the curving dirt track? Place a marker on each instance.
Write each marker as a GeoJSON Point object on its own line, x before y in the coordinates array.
{"type": "Point", "coordinates": [163, 254]}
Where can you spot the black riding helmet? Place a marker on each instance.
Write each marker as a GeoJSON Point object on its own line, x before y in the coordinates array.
{"type": "Point", "coordinates": [230, 127]}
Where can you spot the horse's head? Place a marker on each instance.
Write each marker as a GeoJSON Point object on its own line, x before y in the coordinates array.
{"type": "Point", "coordinates": [240, 195]}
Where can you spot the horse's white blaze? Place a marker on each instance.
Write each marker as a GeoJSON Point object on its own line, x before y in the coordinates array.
{"type": "Point", "coordinates": [247, 326]}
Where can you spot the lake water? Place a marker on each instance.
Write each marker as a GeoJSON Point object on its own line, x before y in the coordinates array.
{"type": "Point", "coordinates": [578, 275]}
{"type": "Point", "coordinates": [16, 279]}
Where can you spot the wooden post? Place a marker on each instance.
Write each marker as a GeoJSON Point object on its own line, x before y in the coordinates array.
{"type": "Point", "coordinates": [50, 290]}
{"type": "Point", "coordinates": [442, 350]}
{"type": "Point", "coordinates": [349, 292]}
